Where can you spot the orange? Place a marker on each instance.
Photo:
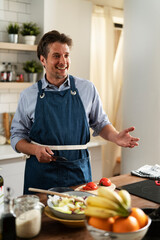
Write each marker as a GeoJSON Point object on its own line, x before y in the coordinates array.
{"type": "Point", "coordinates": [125, 224]}
{"type": "Point", "coordinates": [140, 216]}
{"type": "Point", "coordinates": [101, 223]}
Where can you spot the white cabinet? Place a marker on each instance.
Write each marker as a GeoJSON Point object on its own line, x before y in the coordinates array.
{"type": "Point", "coordinates": [12, 167]}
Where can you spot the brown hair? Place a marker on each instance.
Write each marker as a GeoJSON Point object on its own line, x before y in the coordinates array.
{"type": "Point", "coordinates": [51, 37]}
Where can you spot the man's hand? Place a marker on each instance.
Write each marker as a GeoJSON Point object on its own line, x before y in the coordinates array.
{"type": "Point", "coordinates": [124, 139]}
{"type": "Point", "coordinates": [43, 154]}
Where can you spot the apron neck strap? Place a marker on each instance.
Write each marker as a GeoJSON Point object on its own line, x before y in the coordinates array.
{"type": "Point", "coordinates": [40, 86]}
{"type": "Point", "coordinates": [71, 78]}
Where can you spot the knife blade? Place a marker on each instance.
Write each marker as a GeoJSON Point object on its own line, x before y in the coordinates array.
{"type": "Point", "coordinates": [59, 158]}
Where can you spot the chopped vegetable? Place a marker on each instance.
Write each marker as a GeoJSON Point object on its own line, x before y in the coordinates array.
{"type": "Point", "coordinates": [68, 205]}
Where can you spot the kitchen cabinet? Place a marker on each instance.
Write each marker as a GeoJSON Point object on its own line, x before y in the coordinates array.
{"type": "Point", "coordinates": [12, 169]}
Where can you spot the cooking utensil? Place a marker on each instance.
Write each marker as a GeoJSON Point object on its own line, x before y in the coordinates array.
{"type": "Point", "coordinates": [59, 158]}
{"type": "Point", "coordinates": [54, 193]}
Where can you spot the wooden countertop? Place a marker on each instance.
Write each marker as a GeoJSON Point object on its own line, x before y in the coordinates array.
{"type": "Point", "coordinates": [55, 230]}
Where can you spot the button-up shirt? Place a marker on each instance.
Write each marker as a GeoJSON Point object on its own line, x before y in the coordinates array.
{"type": "Point", "coordinates": [24, 116]}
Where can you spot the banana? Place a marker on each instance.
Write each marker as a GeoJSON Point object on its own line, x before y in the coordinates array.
{"type": "Point", "coordinates": [98, 201]}
{"type": "Point", "coordinates": [110, 194]}
{"type": "Point", "coordinates": [126, 198]}
{"type": "Point", "coordinates": [99, 212]}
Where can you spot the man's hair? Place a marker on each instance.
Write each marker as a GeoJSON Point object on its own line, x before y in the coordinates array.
{"type": "Point", "coordinates": [51, 37]}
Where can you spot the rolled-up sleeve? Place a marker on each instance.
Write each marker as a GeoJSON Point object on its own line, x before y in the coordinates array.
{"type": "Point", "coordinates": [98, 117]}
{"type": "Point", "coordinates": [21, 123]}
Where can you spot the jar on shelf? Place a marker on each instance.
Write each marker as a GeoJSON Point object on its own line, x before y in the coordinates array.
{"type": "Point", "coordinates": [27, 210]}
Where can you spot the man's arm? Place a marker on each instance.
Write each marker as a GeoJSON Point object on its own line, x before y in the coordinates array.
{"type": "Point", "coordinates": [43, 154]}
{"type": "Point", "coordinates": [123, 138]}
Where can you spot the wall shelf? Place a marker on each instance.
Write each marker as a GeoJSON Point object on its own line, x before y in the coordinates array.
{"type": "Point", "coordinates": [15, 85]}
{"type": "Point", "coordinates": [17, 46]}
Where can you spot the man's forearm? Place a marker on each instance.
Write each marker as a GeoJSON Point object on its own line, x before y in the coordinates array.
{"type": "Point", "coordinates": [109, 133]}
{"type": "Point", "coordinates": [25, 147]}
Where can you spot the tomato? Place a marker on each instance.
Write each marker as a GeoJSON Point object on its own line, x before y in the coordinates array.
{"type": "Point", "coordinates": [90, 186]}
{"type": "Point", "coordinates": [105, 182]}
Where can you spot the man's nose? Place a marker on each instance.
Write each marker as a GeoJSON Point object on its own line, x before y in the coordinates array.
{"type": "Point", "coordinates": [62, 60]}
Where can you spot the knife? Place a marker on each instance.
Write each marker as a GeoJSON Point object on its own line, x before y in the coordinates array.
{"type": "Point", "coordinates": [59, 158]}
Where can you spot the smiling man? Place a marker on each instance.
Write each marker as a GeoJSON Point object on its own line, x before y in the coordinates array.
{"type": "Point", "coordinates": [53, 118]}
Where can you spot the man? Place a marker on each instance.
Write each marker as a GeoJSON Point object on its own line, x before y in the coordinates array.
{"type": "Point", "coordinates": [53, 119]}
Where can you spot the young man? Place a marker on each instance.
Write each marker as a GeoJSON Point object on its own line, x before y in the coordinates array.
{"type": "Point", "coordinates": [53, 119]}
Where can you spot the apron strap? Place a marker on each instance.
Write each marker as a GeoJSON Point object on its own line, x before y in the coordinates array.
{"type": "Point", "coordinates": [41, 91]}
{"type": "Point", "coordinates": [63, 147]}
{"type": "Point", "coordinates": [73, 87]}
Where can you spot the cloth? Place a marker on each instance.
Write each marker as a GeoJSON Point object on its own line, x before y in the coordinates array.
{"type": "Point", "coordinates": [148, 171]}
{"type": "Point", "coordinates": [25, 113]}
{"type": "Point", "coordinates": [60, 119]}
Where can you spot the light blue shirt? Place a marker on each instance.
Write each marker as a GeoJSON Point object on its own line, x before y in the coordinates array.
{"type": "Point", "coordinates": [24, 116]}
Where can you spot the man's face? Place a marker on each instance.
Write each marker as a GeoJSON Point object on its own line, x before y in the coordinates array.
{"type": "Point", "coordinates": [57, 62]}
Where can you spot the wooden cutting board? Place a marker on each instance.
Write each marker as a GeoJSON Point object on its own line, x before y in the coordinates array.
{"type": "Point", "coordinates": [113, 186]}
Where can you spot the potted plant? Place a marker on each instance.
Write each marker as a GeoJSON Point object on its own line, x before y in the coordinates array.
{"type": "Point", "coordinates": [32, 68]}
{"type": "Point", "coordinates": [13, 30]}
{"type": "Point", "coordinates": [29, 31]}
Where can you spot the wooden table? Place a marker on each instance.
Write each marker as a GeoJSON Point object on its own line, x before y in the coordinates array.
{"type": "Point", "coordinates": [55, 230]}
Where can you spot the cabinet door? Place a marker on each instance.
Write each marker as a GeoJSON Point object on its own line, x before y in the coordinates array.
{"type": "Point", "coordinates": [12, 171]}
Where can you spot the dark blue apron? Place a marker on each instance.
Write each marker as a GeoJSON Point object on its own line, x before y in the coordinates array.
{"type": "Point", "coordinates": [60, 119]}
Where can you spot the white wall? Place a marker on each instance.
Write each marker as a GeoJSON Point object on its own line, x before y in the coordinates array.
{"type": "Point", "coordinates": [72, 17]}
{"type": "Point", "coordinates": [141, 89]}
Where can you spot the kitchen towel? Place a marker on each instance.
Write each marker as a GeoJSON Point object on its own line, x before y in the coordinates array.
{"type": "Point", "coordinates": [148, 171]}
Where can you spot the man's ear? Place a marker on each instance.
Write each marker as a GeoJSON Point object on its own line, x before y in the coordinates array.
{"type": "Point", "coordinates": [43, 60]}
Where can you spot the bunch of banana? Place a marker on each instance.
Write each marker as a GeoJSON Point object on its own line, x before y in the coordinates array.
{"type": "Point", "coordinates": [108, 203]}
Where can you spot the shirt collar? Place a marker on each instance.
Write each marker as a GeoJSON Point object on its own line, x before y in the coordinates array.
{"type": "Point", "coordinates": [46, 84]}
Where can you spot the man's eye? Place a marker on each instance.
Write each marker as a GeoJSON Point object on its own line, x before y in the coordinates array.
{"type": "Point", "coordinates": [56, 56]}
{"type": "Point", "coordinates": [67, 55]}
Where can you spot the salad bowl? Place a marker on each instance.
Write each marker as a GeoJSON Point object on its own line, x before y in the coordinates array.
{"type": "Point", "coordinates": [68, 208]}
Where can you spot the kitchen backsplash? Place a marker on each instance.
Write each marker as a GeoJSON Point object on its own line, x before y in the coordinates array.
{"type": "Point", "coordinates": [12, 11]}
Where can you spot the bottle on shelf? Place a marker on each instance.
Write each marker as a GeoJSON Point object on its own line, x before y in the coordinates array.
{"type": "Point", "coordinates": [4, 72]}
{"type": "Point", "coordinates": [9, 72]}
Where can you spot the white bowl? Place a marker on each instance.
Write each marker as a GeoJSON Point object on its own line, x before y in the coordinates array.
{"type": "Point", "coordinates": [99, 234]}
{"type": "Point", "coordinates": [68, 216]}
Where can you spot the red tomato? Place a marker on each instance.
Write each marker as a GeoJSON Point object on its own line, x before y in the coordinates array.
{"type": "Point", "coordinates": [105, 182]}
{"type": "Point", "coordinates": [90, 186]}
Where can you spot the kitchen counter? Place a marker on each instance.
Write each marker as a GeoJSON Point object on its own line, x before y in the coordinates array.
{"type": "Point", "coordinates": [52, 229]}
{"type": "Point", "coordinates": [7, 152]}
{"type": "Point", "coordinates": [13, 164]}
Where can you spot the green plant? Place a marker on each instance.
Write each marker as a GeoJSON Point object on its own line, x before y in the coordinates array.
{"type": "Point", "coordinates": [13, 28]}
{"type": "Point", "coordinates": [29, 29]}
{"type": "Point", "coordinates": [32, 67]}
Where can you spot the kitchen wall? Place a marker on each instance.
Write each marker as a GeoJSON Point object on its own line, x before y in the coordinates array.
{"type": "Point", "coordinates": [12, 11]}
{"type": "Point", "coordinates": [141, 87]}
{"type": "Point", "coordinates": [72, 17]}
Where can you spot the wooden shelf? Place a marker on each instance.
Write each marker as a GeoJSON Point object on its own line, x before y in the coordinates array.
{"type": "Point", "coordinates": [17, 46]}
{"type": "Point", "coordinates": [14, 85]}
